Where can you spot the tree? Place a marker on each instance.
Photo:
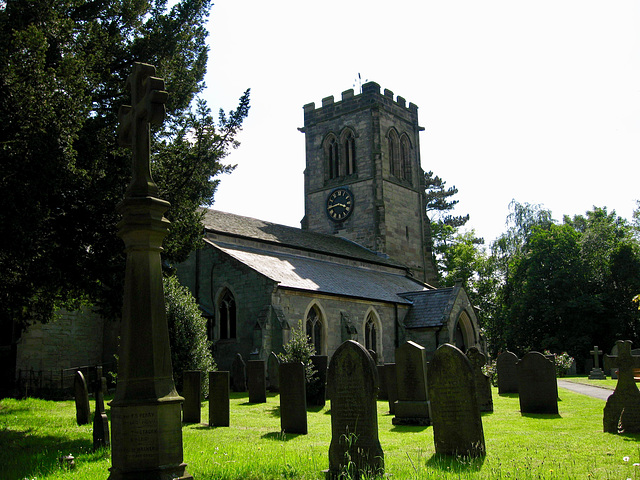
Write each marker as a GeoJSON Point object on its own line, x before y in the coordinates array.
{"type": "Point", "coordinates": [190, 349]}
{"type": "Point", "coordinates": [63, 68]}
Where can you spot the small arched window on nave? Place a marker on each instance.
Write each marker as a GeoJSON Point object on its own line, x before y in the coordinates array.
{"type": "Point", "coordinates": [314, 329]}
{"type": "Point", "coordinates": [227, 315]}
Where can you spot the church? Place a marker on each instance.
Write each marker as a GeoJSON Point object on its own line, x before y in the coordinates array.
{"type": "Point", "coordinates": [359, 267]}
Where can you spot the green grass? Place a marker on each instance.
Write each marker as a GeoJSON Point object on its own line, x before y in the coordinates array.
{"type": "Point", "coordinates": [35, 433]}
{"type": "Point", "coordinates": [608, 383]}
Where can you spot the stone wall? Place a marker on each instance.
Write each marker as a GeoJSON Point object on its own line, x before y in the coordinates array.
{"type": "Point", "coordinates": [71, 339]}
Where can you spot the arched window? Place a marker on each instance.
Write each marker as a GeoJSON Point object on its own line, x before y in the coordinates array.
{"type": "Point", "coordinates": [394, 153]}
{"type": "Point", "coordinates": [332, 160]}
{"type": "Point", "coordinates": [371, 334]}
{"type": "Point", "coordinates": [349, 151]}
{"type": "Point", "coordinates": [227, 315]}
{"type": "Point", "coordinates": [405, 159]}
{"type": "Point", "coordinates": [314, 329]}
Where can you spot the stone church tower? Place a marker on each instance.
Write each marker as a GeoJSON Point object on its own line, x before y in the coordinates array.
{"type": "Point", "coordinates": [363, 179]}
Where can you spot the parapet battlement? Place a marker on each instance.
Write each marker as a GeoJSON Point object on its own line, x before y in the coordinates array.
{"type": "Point", "coordinates": [350, 102]}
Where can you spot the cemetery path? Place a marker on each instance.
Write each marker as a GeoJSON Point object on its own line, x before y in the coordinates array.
{"type": "Point", "coordinates": [589, 390]}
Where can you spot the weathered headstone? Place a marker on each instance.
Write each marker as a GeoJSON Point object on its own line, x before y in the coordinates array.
{"type": "Point", "coordinates": [293, 399]}
{"type": "Point", "coordinates": [390, 378]}
{"type": "Point", "coordinates": [273, 366]}
{"type": "Point", "coordinates": [146, 427]}
{"type": "Point", "coordinates": [596, 372]}
{"type": "Point", "coordinates": [507, 373]}
{"type": "Point", "coordinates": [219, 399]}
{"type": "Point", "coordinates": [256, 381]}
{"type": "Point", "coordinates": [238, 374]}
{"type": "Point", "coordinates": [412, 406]}
{"type": "Point", "coordinates": [622, 410]}
{"type": "Point", "coordinates": [483, 382]}
{"type": "Point", "coordinates": [101, 436]}
{"type": "Point", "coordinates": [538, 385]}
{"type": "Point", "coordinates": [316, 393]}
{"type": "Point", "coordinates": [192, 393]}
{"type": "Point", "coordinates": [455, 415]}
{"type": "Point", "coordinates": [81, 393]}
{"type": "Point", "coordinates": [382, 379]}
{"type": "Point", "coordinates": [353, 385]}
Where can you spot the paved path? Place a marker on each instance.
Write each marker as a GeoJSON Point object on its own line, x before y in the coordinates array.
{"type": "Point", "coordinates": [589, 390]}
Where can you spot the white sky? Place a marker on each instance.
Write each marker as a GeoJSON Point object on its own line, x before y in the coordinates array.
{"type": "Point", "coordinates": [537, 101]}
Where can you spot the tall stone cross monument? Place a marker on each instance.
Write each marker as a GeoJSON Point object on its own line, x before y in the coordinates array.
{"type": "Point", "coordinates": [146, 434]}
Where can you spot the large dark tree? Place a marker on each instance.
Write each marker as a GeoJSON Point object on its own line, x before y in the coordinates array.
{"type": "Point", "coordinates": [63, 68]}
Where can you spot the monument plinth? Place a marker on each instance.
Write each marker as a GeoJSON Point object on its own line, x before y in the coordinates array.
{"type": "Point", "coordinates": [146, 427]}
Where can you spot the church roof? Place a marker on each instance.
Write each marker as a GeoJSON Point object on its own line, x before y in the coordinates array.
{"type": "Point", "coordinates": [285, 236]}
{"type": "Point", "coordinates": [302, 272]}
{"type": "Point", "coordinates": [431, 308]}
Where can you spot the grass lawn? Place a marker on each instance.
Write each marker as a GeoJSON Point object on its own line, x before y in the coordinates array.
{"type": "Point", "coordinates": [608, 383]}
{"type": "Point", "coordinates": [35, 433]}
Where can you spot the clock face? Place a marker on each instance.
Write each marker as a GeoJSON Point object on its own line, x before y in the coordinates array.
{"type": "Point", "coordinates": [339, 204]}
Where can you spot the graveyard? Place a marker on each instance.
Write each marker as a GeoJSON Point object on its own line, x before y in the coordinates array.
{"type": "Point", "coordinates": [35, 434]}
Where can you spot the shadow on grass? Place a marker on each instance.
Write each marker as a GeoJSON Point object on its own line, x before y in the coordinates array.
{"type": "Point", "coordinates": [542, 416]}
{"type": "Point", "coordinates": [457, 464]}
{"type": "Point", "coordinates": [275, 411]}
{"type": "Point", "coordinates": [315, 408]}
{"type": "Point", "coordinates": [508, 395]}
{"type": "Point", "coordinates": [409, 428]}
{"type": "Point", "coordinates": [25, 455]}
{"type": "Point", "coordinates": [280, 436]}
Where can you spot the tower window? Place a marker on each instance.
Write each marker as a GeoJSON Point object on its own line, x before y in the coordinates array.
{"type": "Point", "coordinates": [332, 160]}
{"type": "Point", "coordinates": [394, 154]}
{"type": "Point", "coordinates": [349, 150]}
{"type": "Point", "coordinates": [405, 159]}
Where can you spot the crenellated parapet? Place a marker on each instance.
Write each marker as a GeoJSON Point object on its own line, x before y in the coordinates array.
{"type": "Point", "coordinates": [370, 97]}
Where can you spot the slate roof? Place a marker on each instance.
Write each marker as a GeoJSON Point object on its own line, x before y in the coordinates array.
{"type": "Point", "coordinates": [247, 227]}
{"type": "Point", "coordinates": [430, 308]}
{"type": "Point", "coordinates": [302, 272]}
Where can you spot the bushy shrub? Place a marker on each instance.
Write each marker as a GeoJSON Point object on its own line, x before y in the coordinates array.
{"type": "Point", "coordinates": [300, 349]}
{"type": "Point", "coordinates": [489, 369]}
{"type": "Point", "coordinates": [563, 362]}
{"type": "Point", "coordinates": [190, 349]}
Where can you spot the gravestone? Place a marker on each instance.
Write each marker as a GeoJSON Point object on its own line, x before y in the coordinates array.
{"type": "Point", "coordinates": [146, 426]}
{"type": "Point", "coordinates": [382, 379]}
{"type": "Point", "coordinates": [317, 392]}
{"type": "Point", "coordinates": [507, 373]}
{"type": "Point", "coordinates": [256, 381]}
{"type": "Point", "coordinates": [353, 385]}
{"type": "Point", "coordinates": [483, 382]}
{"type": "Point", "coordinates": [622, 411]}
{"type": "Point", "coordinates": [100, 421]}
{"type": "Point", "coordinates": [219, 399]}
{"type": "Point", "coordinates": [238, 374]}
{"type": "Point", "coordinates": [596, 372]}
{"type": "Point", "coordinates": [293, 398]}
{"type": "Point", "coordinates": [455, 415]}
{"type": "Point", "coordinates": [273, 365]}
{"type": "Point", "coordinates": [192, 393]}
{"type": "Point", "coordinates": [412, 406]}
{"type": "Point", "coordinates": [390, 378]}
{"type": "Point", "coordinates": [81, 393]}
{"type": "Point", "coordinates": [538, 385]}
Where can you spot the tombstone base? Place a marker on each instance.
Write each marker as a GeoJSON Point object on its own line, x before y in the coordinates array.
{"type": "Point", "coordinates": [597, 374]}
{"type": "Point", "coordinates": [147, 441]}
{"type": "Point", "coordinates": [100, 431]}
{"type": "Point", "coordinates": [411, 413]}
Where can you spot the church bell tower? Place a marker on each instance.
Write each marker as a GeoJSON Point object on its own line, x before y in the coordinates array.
{"type": "Point", "coordinates": [363, 180]}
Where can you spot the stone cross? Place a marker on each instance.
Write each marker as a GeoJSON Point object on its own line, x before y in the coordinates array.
{"type": "Point", "coordinates": [625, 362]}
{"type": "Point", "coordinates": [147, 107]}
{"type": "Point", "coordinates": [596, 353]}
{"type": "Point", "coordinates": [622, 410]}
